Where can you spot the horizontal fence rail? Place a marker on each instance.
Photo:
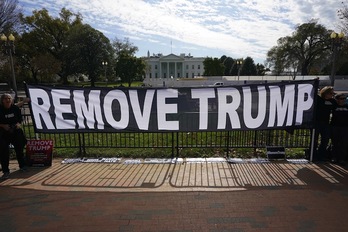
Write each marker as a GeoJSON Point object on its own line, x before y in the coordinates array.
{"type": "Point", "coordinates": [173, 141]}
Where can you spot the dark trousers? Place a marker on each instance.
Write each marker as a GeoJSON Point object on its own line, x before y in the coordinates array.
{"type": "Point", "coordinates": [18, 140]}
{"type": "Point", "coordinates": [340, 143]}
{"type": "Point", "coordinates": [324, 130]}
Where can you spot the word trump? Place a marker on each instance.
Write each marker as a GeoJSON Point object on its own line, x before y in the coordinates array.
{"type": "Point", "coordinates": [265, 106]}
{"type": "Point", "coordinates": [39, 145]}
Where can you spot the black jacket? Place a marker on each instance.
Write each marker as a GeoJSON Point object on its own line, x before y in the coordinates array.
{"type": "Point", "coordinates": [324, 109]}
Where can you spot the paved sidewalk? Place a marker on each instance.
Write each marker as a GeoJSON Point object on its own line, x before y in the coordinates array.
{"type": "Point", "coordinates": [187, 196]}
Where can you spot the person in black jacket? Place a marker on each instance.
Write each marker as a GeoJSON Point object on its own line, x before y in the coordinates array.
{"type": "Point", "coordinates": [324, 107]}
{"type": "Point", "coordinates": [10, 133]}
{"type": "Point", "coordinates": [339, 125]}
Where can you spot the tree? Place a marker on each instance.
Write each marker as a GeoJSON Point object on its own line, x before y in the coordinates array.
{"type": "Point", "coordinates": [213, 67]}
{"type": "Point", "coordinates": [130, 68]}
{"type": "Point", "coordinates": [9, 18]}
{"type": "Point", "coordinates": [48, 35]}
{"type": "Point", "coordinates": [124, 46]}
{"type": "Point", "coordinates": [9, 15]}
{"type": "Point", "coordinates": [248, 68]}
{"type": "Point", "coordinates": [306, 48]}
{"type": "Point", "coordinates": [276, 58]}
{"type": "Point", "coordinates": [86, 49]}
{"type": "Point", "coordinates": [343, 15]}
{"type": "Point", "coordinates": [261, 69]}
{"type": "Point", "coordinates": [231, 67]}
{"type": "Point", "coordinates": [343, 54]}
{"type": "Point", "coordinates": [79, 48]}
{"type": "Point", "coordinates": [228, 63]}
{"type": "Point", "coordinates": [40, 64]}
{"type": "Point", "coordinates": [46, 66]}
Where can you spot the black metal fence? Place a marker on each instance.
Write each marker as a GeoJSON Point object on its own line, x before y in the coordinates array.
{"type": "Point", "coordinates": [174, 141]}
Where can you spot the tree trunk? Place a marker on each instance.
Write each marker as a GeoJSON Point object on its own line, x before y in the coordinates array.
{"type": "Point", "coordinates": [304, 68]}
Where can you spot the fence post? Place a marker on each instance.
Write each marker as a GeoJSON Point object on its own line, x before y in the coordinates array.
{"type": "Point", "coordinates": [255, 138]}
{"type": "Point", "coordinates": [173, 145]}
{"type": "Point", "coordinates": [82, 146]}
{"type": "Point", "coordinates": [177, 144]}
{"type": "Point", "coordinates": [228, 144]}
{"type": "Point", "coordinates": [312, 145]}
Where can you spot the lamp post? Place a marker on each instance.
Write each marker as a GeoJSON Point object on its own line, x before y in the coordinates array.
{"type": "Point", "coordinates": [105, 64]}
{"type": "Point", "coordinates": [239, 65]}
{"type": "Point", "coordinates": [336, 42]}
{"type": "Point", "coordinates": [9, 49]}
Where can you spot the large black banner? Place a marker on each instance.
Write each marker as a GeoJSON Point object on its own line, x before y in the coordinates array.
{"type": "Point", "coordinates": [248, 107]}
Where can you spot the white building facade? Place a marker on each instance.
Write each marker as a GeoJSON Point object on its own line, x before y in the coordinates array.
{"type": "Point", "coordinates": [173, 66]}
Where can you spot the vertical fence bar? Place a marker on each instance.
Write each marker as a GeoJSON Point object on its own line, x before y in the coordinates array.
{"type": "Point", "coordinates": [177, 144]}
{"type": "Point", "coordinates": [312, 145]}
{"type": "Point", "coordinates": [173, 145]}
{"type": "Point", "coordinates": [228, 144]}
{"type": "Point", "coordinates": [80, 146]}
{"type": "Point", "coordinates": [255, 138]}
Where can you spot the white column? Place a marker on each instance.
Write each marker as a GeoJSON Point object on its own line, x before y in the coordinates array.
{"type": "Point", "coordinates": [175, 72]}
{"type": "Point", "coordinates": [167, 73]}
{"type": "Point", "coordinates": [160, 70]}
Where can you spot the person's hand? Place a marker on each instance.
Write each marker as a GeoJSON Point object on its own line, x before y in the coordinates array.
{"type": "Point", "coordinates": [26, 100]}
{"type": "Point", "coordinates": [6, 127]}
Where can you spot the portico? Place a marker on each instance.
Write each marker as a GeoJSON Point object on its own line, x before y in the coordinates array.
{"type": "Point", "coordinates": [173, 66]}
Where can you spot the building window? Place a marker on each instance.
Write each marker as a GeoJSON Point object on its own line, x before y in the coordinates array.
{"type": "Point", "coordinates": [199, 74]}
{"type": "Point", "coordinates": [193, 75]}
{"type": "Point", "coordinates": [156, 66]}
{"type": "Point", "coordinates": [186, 75]}
{"type": "Point", "coordinates": [164, 75]}
{"type": "Point", "coordinates": [199, 66]}
{"type": "Point", "coordinates": [187, 67]}
{"type": "Point", "coordinates": [156, 75]}
{"type": "Point", "coordinates": [150, 75]}
{"type": "Point", "coordinates": [193, 66]}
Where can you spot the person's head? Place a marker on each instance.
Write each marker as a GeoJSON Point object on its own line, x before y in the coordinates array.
{"type": "Point", "coordinates": [327, 92]}
{"type": "Point", "coordinates": [6, 100]}
{"type": "Point", "coordinates": [341, 99]}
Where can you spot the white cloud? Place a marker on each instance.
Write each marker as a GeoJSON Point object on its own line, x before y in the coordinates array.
{"type": "Point", "coordinates": [216, 27]}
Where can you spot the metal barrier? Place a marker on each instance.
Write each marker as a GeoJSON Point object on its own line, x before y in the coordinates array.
{"type": "Point", "coordinates": [175, 141]}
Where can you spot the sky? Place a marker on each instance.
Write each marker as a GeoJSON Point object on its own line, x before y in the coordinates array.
{"type": "Point", "coordinates": [201, 28]}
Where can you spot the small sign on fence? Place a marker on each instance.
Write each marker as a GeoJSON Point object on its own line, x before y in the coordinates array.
{"type": "Point", "coordinates": [274, 153]}
{"type": "Point", "coordinates": [39, 152]}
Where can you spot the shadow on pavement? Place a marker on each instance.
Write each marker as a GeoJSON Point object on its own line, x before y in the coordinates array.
{"type": "Point", "coordinates": [178, 176]}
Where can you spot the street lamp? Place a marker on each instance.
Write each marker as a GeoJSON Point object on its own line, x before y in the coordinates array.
{"type": "Point", "coordinates": [239, 65]}
{"type": "Point", "coordinates": [105, 64]}
{"type": "Point", "coordinates": [9, 49]}
{"type": "Point", "coordinates": [336, 42]}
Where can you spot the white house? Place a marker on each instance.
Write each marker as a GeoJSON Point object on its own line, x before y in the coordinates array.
{"type": "Point", "coordinates": [173, 66]}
